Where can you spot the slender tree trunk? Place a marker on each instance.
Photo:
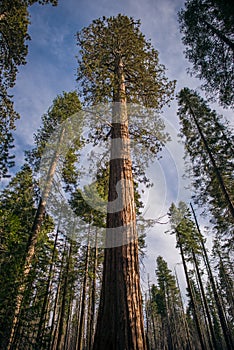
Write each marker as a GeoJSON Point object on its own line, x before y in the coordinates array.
{"type": "Point", "coordinates": [78, 309]}
{"type": "Point", "coordinates": [216, 169]}
{"type": "Point", "coordinates": [220, 35]}
{"type": "Point", "coordinates": [227, 336]}
{"type": "Point", "coordinates": [93, 295]}
{"type": "Point", "coordinates": [120, 319]}
{"type": "Point", "coordinates": [177, 337]}
{"type": "Point", "coordinates": [193, 302]}
{"type": "Point", "coordinates": [68, 323]}
{"type": "Point", "coordinates": [148, 328]}
{"type": "Point", "coordinates": [33, 241]}
{"type": "Point", "coordinates": [205, 303]}
{"type": "Point", "coordinates": [200, 312]}
{"type": "Point", "coordinates": [74, 323]}
{"type": "Point", "coordinates": [205, 309]}
{"type": "Point", "coordinates": [228, 284]}
{"type": "Point", "coordinates": [53, 333]}
{"type": "Point", "coordinates": [184, 320]}
{"type": "Point", "coordinates": [168, 319]}
{"type": "Point", "coordinates": [61, 330]}
{"type": "Point", "coordinates": [83, 303]}
{"type": "Point", "coordinates": [41, 325]}
{"type": "Point", "coordinates": [88, 333]}
{"type": "Point", "coordinates": [152, 316]}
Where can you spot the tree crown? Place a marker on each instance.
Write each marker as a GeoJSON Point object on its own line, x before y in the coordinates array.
{"type": "Point", "coordinates": [108, 42]}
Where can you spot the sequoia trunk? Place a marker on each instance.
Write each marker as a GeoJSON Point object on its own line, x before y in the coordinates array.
{"type": "Point", "coordinates": [120, 319]}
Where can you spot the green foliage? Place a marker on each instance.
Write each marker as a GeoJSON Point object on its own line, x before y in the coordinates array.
{"type": "Point", "coordinates": [90, 205]}
{"type": "Point", "coordinates": [108, 41]}
{"type": "Point", "coordinates": [105, 45]}
{"type": "Point", "coordinates": [207, 27]}
{"type": "Point", "coordinates": [42, 2]}
{"type": "Point", "coordinates": [14, 22]}
{"type": "Point", "coordinates": [16, 217]}
{"type": "Point", "coordinates": [36, 285]}
{"type": "Point", "coordinates": [225, 282]}
{"type": "Point", "coordinates": [18, 209]}
{"type": "Point", "coordinates": [166, 309]}
{"type": "Point", "coordinates": [84, 210]}
{"type": "Point", "coordinates": [203, 173]}
{"type": "Point", "coordinates": [7, 119]}
{"type": "Point", "coordinates": [64, 106]}
{"type": "Point", "coordinates": [185, 229]}
{"type": "Point", "coordinates": [168, 291]}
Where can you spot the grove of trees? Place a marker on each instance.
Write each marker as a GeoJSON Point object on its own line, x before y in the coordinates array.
{"type": "Point", "coordinates": [69, 269]}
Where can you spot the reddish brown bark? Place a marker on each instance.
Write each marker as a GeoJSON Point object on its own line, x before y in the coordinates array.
{"type": "Point", "coordinates": [120, 319]}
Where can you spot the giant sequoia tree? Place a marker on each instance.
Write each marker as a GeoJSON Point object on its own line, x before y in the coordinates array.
{"type": "Point", "coordinates": [207, 27]}
{"type": "Point", "coordinates": [118, 65]}
{"type": "Point", "coordinates": [14, 21]}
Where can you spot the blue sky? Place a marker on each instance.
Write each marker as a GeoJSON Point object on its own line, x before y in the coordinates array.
{"type": "Point", "coordinates": [51, 69]}
{"type": "Point", "coordinates": [51, 66]}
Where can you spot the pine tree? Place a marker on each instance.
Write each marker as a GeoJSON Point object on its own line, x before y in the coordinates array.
{"type": "Point", "coordinates": [47, 295]}
{"type": "Point", "coordinates": [187, 242]}
{"type": "Point", "coordinates": [217, 302]}
{"type": "Point", "coordinates": [35, 290]}
{"type": "Point", "coordinates": [14, 233]}
{"type": "Point", "coordinates": [167, 326]}
{"type": "Point", "coordinates": [118, 65]}
{"type": "Point", "coordinates": [63, 107]}
{"type": "Point", "coordinates": [207, 27]}
{"type": "Point", "coordinates": [209, 145]}
{"type": "Point", "coordinates": [224, 284]}
{"type": "Point", "coordinates": [14, 22]}
{"type": "Point", "coordinates": [191, 244]}
{"type": "Point", "coordinates": [167, 299]}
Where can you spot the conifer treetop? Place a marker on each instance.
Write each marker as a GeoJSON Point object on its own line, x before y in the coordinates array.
{"type": "Point", "coordinates": [108, 42]}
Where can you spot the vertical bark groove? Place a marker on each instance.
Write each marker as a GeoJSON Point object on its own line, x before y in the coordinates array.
{"type": "Point", "coordinates": [120, 318]}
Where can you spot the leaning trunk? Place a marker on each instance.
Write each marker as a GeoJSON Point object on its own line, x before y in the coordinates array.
{"type": "Point", "coordinates": [33, 241]}
{"type": "Point", "coordinates": [213, 162]}
{"type": "Point", "coordinates": [227, 336]}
